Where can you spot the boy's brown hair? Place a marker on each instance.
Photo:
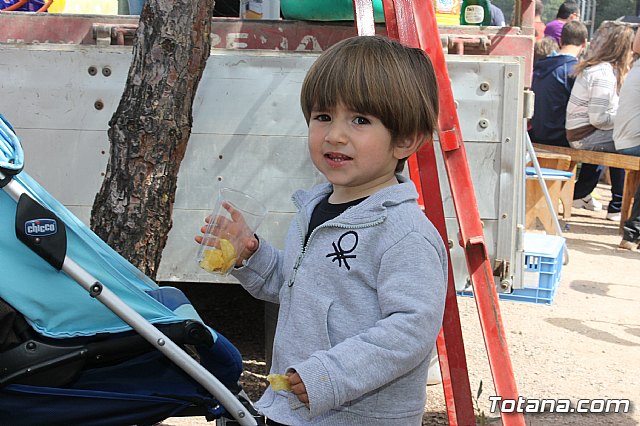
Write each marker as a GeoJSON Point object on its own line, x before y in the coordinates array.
{"type": "Point", "coordinates": [377, 76]}
{"type": "Point", "coordinates": [574, 33]}
{"type": "Point", "coordinates": [543, 48]}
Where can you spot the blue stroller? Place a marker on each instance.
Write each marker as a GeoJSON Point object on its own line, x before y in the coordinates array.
{"type": "Point", "coordinates": [116, 349]}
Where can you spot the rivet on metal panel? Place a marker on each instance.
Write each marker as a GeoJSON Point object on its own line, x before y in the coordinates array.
{"type": "Point", "coordinates": [509, 74]}
{"type": "Point", "coordinates": [219, 178]}
{"type": "Point", "coordinates": [220, 156]}
{"type": "Point", "coordinates": [484, 123]}
{"type": "Point", "coordinates": [504, 215]}
{"type": "Point", "coordinates": [484, 86]}
{"type": "Point", "coordinates": [507, 140]}
{"type": "Point", "coordinates": [106, 71]}
{"type": "Point", "coordinates": [450, 242]}
{"type": "Point", "coordinates": [92, 70]}
{"type": "Point", "coordinates": [98, 104]}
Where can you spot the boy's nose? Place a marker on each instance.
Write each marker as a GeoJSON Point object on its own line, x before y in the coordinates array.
{"type": "Point", "coordinates": [335, 134]}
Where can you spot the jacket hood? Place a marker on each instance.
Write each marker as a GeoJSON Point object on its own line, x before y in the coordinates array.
{"type": "Point", "coordinates": [547, 65]}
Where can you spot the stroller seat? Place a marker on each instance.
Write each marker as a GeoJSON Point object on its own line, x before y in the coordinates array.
{"type": "Point", "coordinates": [122, 350]}
{"type": "Point", "coordinates": [29, 358]}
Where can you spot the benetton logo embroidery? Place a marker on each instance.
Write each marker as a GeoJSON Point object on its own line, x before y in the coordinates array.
{"type": "Point", "coordinates": [340, 254]}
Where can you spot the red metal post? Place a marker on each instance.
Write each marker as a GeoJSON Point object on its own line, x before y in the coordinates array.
{"type": "Point", "coordinates": [453, 362]}
{"type": "Point", "coordinates": [466, 207]}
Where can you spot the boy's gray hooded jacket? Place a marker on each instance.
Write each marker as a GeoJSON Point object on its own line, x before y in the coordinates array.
{"type": "Point", "coordinates": [360, 308]}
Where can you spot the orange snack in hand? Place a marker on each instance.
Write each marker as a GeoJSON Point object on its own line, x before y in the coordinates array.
{"type": "Point", "coordinates": [279, 382]}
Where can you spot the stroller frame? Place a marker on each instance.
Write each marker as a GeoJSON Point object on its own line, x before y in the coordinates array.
{"type": "Point", "coordinates": [138, 323]}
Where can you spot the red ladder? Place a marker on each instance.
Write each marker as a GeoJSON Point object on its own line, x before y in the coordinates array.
{"type": "Point", "coordinates": [414, 24]}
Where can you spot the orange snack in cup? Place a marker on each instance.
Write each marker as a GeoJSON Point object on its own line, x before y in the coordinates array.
{"type": "Point", "coordinates": [219, 259]}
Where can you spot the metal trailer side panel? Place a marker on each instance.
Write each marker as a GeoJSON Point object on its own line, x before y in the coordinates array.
{"type": "Point", "coordinates": [248, 132]}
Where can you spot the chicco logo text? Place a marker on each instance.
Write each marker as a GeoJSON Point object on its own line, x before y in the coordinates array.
{"type": "Point", "coordinates": [40, 227]}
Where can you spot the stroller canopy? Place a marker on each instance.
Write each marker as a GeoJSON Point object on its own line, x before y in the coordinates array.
{"type": "Point", "coordinates": [88, 370]}
{"type": "Point", "coordinates": [11, 155]}
{"type": "Point", "coordinates": [53, 303]}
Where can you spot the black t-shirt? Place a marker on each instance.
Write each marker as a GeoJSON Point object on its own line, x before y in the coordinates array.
{"type": "Point", "coordinates": [326, 211]}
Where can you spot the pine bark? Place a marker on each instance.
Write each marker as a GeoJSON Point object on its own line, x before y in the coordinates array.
{"type": "Point", "coordinates": [150, 130]}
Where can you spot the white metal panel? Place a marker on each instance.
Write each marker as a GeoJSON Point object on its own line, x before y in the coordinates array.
{"type": "Point", "coordinates": [49, 86]}
{"type": "Point", "coordinates": [70, 163]}
{"type": "Point", "coordinates": [248, 132]}
{"type": "Point", "coordinates": [252, 93]}
{"type": "Point", "coordinates": [478, 84]}
{"type": "Point", "coordinates": [489, 97]}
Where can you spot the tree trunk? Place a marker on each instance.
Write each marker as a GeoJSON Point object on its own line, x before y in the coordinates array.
{"type": "Point", "coordinates": [150, 130]}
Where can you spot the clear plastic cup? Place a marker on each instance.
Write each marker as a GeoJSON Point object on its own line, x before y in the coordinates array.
{"type": "Point", "coordinates": [227, 231]}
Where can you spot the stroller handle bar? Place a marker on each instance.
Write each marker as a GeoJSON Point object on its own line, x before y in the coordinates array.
{"type": "Point", "coordinates": [143, 327]}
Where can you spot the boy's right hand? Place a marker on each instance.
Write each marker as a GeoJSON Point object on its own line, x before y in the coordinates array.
{"type": "Point", "coordinates": [297, 387]}
{"type": "Point", "coordinates": [236, 226]}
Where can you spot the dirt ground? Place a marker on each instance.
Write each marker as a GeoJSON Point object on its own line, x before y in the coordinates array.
{"type": "Point", "coordinates": [586, 345]}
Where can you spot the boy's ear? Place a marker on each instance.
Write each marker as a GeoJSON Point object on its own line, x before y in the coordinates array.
{"type": "Point", "coordinates": [405, 147]}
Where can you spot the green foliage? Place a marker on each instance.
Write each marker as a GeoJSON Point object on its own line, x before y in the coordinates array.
{"type": "Point", "coordinates": [610, 10]}
{"type": "Point", "coordinates": [481, 417]}
{"type": "Point", "coordinates": [550, 9]}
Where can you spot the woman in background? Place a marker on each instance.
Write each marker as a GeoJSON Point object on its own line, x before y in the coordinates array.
{"type": "Point", "coordinates": [626, 135]}
{"type": "Point", "coordinates": [593, 103]}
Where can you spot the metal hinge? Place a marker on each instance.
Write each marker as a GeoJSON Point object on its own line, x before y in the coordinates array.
{"type": "Point", "coordinates": [458, 43]}
{"type": "Point", "coordinates": [118, 34]}
{"type": "Point", "coordinates": [502, 271]}
{"type": "Point", "coordinates": [529, 100]}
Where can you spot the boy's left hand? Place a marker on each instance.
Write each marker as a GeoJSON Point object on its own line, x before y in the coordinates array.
{"type": "Point", "coordinates": [298, 388]}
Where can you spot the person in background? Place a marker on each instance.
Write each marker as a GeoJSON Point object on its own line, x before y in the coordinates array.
{"type": "Point", "coordinates": [543, 48]}
{"type": "Point", "coordinates": [538, 24]}
{"type": "Point", "coordinates": [593, 103]}
{"type": "Point", "coordinates": [552, 83]}
{"type": "Point", "coordinates": [567, 12]}
{"type": "Point", "coordinates": [626, 126]}
{"type": "Point", "coordinates": [631, 231]}
{"type": "Point", "coordinates": [135, 7]}
{"type": "Point", "coordinates": [626, 138]}
{"type": "Point", "coordinates": [497, 17]}
{"type": "Point", "coordinates": [358, 318]}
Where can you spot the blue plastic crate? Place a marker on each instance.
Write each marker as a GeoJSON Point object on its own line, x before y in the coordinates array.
{"type": "Point", "coordinates": [543, 256]}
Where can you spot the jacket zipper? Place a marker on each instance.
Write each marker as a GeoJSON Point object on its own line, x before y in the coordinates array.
{"type": "Point", "coordinates": [292, 278]}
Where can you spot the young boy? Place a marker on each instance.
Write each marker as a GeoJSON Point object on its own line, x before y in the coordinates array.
{"type": "Point", "coordinates": [362, 279]}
